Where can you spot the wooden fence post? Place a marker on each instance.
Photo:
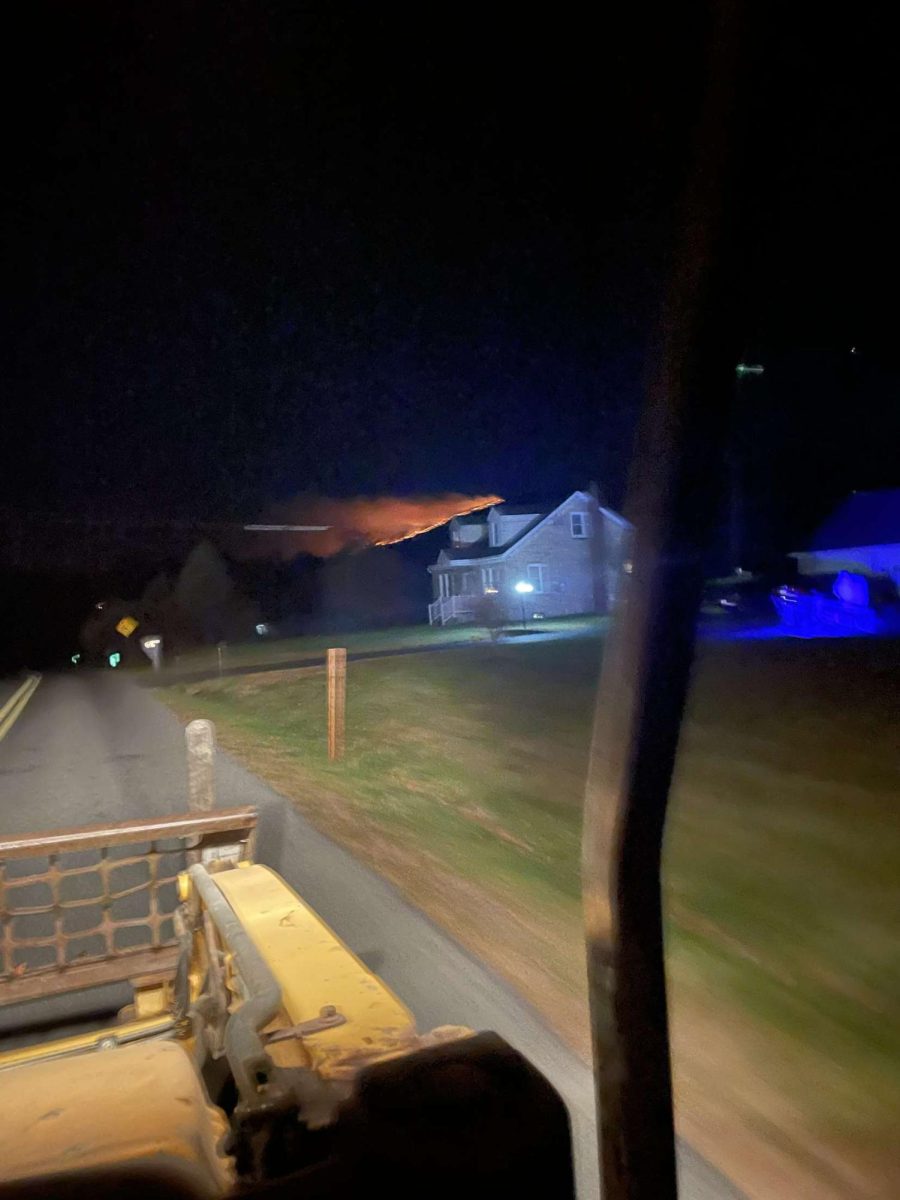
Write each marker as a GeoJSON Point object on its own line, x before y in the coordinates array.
{"type": "Point", "coordinates": [201, 751]}
{"type": "Point", "coordinates": [337, 701]}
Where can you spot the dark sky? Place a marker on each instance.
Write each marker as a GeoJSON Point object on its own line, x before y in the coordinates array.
{"type": "Point", "coordinates": [258, 249]}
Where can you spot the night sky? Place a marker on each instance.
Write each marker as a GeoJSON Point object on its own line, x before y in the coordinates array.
{"type": "Point", "coordinates": [258, 249]}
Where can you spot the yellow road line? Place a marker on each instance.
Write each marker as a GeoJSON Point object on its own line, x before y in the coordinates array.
{"type": "Point", "coordinates": [15, 705]}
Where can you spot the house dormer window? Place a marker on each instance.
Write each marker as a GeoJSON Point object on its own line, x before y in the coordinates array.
{"type": "Point", "coordinates": [579, 524]}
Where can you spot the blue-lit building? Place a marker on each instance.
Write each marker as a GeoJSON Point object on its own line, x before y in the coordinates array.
{"type": "Point", "coordinates": [862, 535]}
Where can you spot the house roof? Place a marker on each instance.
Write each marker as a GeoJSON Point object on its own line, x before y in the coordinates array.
{"type": "Point", "coordinates": [483, 549]}
{"type": "Point", "coordinates": [507, 510]}
{"type": "Point", "coordinates": [525, 510]}
{"type": "Point", "coordinates": [479, 549]}
{"type": "Point", "coordinates": [864, 519]}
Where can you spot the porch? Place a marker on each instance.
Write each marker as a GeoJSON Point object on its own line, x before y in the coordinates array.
{"type": "Point", "coordinates": [451, 610]}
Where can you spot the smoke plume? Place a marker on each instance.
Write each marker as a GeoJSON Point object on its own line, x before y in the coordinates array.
{"type": "Point", "coordinates": [362, 521]}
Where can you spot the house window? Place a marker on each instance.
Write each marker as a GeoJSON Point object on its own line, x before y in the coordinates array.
{"type": "Point", "coordinates": [579, 524]}
{"type": "Point", "coordinates": [468, 583]}
{"type": "Point", "coordinates": [536, 576]}
{"type": "Point", "coordinates": [494, 533]}
{"type": "Point", "coordinates": [490, 577]}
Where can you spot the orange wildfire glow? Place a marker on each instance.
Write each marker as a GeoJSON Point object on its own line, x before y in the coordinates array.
{"type": "Point", "coordinates": [362, 521]}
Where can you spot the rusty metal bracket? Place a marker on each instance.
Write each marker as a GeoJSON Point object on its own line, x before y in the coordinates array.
{"type": "Point", "coordinates": [328, 1018]}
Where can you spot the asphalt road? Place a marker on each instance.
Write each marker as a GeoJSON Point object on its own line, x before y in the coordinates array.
{"type": "Point", "coordinates": [94, 747]}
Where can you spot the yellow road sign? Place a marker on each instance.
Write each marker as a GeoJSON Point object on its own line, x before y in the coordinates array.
{"type": "Point", "coordinates": [127, 626]}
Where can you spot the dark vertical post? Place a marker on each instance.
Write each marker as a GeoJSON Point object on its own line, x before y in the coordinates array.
{"type": "Point", "coordinates": [672, 494]}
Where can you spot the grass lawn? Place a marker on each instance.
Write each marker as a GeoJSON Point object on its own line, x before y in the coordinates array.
{"type": "Point", "coordinates": [463, 782]}
{"type": "Point", "coordinates": [264, 651]}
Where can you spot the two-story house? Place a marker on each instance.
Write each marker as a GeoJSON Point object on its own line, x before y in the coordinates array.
{"type": "Point", "coordinates": [572, 554]}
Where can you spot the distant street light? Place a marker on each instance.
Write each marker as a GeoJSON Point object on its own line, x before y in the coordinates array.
{"type": "Point", "coordinates": [524, 589]}
{"type": "Point", "coordinates": [152, 647]}
{"type": "Point", "coordinates": [750, 369]}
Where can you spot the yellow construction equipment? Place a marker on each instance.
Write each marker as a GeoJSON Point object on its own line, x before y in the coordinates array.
{"type": "Point", "coordinates": [256, 1050]}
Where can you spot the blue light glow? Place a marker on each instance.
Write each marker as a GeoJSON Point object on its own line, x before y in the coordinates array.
{"type": "Point", "coordinates": [846, 613]}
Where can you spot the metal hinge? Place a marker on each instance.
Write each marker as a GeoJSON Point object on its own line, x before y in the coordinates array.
{"type": "Point", "coordinates": [328, 1018]}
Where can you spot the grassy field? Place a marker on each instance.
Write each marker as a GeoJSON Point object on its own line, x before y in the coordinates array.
{"type": "Point", "coordinates": [463, 782]}
{"type": "Point", "coordinates": [265, 651]}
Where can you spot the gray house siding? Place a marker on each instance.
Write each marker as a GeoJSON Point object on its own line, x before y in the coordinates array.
{"type": "Point", "coordinates": [567, 569]}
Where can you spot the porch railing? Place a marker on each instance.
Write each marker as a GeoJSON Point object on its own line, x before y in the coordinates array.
{"type": "Point", "coordinates": [451, 608]}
